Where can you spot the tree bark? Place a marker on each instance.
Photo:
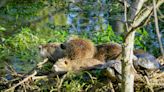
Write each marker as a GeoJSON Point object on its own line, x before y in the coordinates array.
{"type": "Point", "coordinates": [157, 27]}
{"type": "Point", "coordinates": [127, 64]}
{"type": "Point", "coordinates": [136, 19]}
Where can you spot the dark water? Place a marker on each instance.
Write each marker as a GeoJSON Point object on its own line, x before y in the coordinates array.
{"type": "Point", "coordinates": [17, 65]}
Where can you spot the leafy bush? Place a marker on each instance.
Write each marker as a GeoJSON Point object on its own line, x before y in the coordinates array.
{"type": "Point", "coordinates": [104, 36]}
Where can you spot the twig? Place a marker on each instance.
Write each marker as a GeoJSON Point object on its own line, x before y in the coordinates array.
{"type": "Point", "coordinates": [12, 70]}
{"type": "Point", "coordinates": [39, 77]}
{"type": "Point", "coordinates": [158, 75]}
{"type": "Point", "coordinates": [61, 82]}
{"type": "Point", "coordinates": [125, 15]}
{"type": "Point", "coordinates": [111, 86]}
{"type": "Point", "coordinates": [148, 84]}
{"type": "Point", "coordinates": [142, 17]}
{"type": "Point", "coordinates": [133, 28]}
{"type": "Point", "coordinates": [161, 15]}
{"type": "Point", "coordinates": [157, 82]}
{"type": "Point", "coordinates": [39, 65]}
{"type": "Point", "coordinates": [157, 27]}
{"type": "Point", "coordinates": [21, 82]}
{"type": "Point", "coordinates": [90, 76]}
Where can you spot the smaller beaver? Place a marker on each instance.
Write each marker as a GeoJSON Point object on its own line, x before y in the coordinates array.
{"type": "Point", "coordinates": [52, 51]}
{"type": "Point", "coordinates": [78, 48]}
{"type": "Point", "coordinates": [109, 51]}
{"type": "Point", "coordinates": [65, 65]}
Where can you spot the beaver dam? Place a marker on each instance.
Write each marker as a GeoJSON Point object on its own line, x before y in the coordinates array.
{"type": "Point", "coordinates": [99, 72]}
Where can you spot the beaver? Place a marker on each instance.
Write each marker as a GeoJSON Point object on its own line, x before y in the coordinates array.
{"type": "Point", "coordinates": [78, 48]}
{"type": "Point", "coordinates": [52, 51]}
{"type": "Point", "coordinates": [65, 65]}
{"type": "Point", "coordinates": [108, 51]}
{"type": "Point", "coordinates": [73, 48]}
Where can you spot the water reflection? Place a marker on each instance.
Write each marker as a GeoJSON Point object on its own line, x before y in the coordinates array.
{"type": "Point", "coordinates": [87, 16]}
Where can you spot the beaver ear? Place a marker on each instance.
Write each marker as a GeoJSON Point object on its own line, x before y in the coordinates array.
{"type": "Point", "coordinates": [62, 46]}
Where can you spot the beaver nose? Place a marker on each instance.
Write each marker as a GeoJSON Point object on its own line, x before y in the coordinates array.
{"type": "Point", "coordinates": [55, 68]}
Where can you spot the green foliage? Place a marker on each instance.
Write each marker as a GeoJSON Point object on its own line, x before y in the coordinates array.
{"type": "Point", "coordinates": [106, 36]}
{"type": "Point", "coordinates": [21, 44]}
{"type": "Point", "coordinates": [24, 44]}
{"type": "Point", "coordinates": [147, 41]}
{"type": "Point", "coordinates": [140, 37]}
{"type": "Point", "coordinates": [2, 29]}
{"type": "Point", "coordinates": [22, 10]}
{"type": "Point", "coordinates": [22, 48]}
{"type": "Point", "coordinates": [82, 81]}
{"type": "Point", "coordinates": [74, 86]}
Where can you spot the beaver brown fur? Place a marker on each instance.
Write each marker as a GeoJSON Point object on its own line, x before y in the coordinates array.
{"type": "Point", "coordinates": [108, 51]}
{"type": "Point", "coordinates": [78, 48]}
{"type": "Point", "coordinates": [65, 64]}
{"type": "Point", "coordinates": [73, 48]}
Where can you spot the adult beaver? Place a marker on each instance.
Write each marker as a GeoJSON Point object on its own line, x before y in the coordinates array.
{"type": "Point", "coordinates": [78, 48]}
{"type": "Point", "coordinates": [73, 48]}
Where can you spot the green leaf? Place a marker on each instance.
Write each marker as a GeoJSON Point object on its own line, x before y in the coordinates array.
{"type": "Point", "coordinates": [2, 29]}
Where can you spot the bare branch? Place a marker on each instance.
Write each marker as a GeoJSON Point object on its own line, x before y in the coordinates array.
{"type": "Point", "coordinates": [125, 15]}
{"type": "Point", "coordinates": [137, 5]}
{"type": "Point", "coordinates": [21, 82]}
{"type": "Point", "coordinates": [140, 18]}
{"type": "Point", "coordinates": [157, 28]}
{"type": "Point", "coordinates": [144, 15]}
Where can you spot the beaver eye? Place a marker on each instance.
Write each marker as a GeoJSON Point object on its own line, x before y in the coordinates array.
{"type": "Point", "coordinates": [40, 47]}
{"type": "Point", "coordinates": [66, 62]}
{"type": "Point", "coordinates": [62, 46]}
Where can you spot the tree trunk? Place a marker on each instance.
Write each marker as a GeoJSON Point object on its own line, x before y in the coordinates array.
{"type": "Point", "coordinates": [127, 65]}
